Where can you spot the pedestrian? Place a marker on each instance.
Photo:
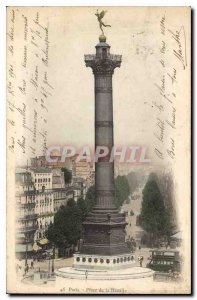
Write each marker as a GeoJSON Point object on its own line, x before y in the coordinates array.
{"type": "Point", "coordinates": [27, 268]}
{"type": "Point", "coordinates": [141, 258]}
{"type": "Point", "coordinates": [17, 268]}
{"type": "Point", "coordinates": [32, 264]}
{"type": "Point", "coordinates": [86, 274]}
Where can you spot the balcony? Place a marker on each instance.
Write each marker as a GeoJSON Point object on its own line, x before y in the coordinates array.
{"type": "Point", "coordinates": [26, 205]}
{"type": "Point", "coordinates": [27, 217]}
{"type": "Point", "coordinates": [92, 57]}
{"type": "Point", "coordinates": [27, 229]}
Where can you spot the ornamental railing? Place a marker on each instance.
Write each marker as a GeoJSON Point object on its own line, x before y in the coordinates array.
{"type": "Point", "coordinates": [115, 57]}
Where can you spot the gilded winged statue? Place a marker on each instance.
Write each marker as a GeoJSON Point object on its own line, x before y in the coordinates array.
{"type": "Point", "coordinates": [100, 17]}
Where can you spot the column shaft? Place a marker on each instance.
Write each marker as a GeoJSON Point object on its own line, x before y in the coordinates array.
{"type": "Point", "coordinates": [104, 170]}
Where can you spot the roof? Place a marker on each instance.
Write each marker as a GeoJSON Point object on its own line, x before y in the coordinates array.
{"type": "Point", "coordinates": [177, 236]}
{"type": "Point", "coordinates": [164, 250]}
{"type": "Point", "coordinates": [21, 170]}
{"type": "Point", "coordinates": [23, 178]}
{"type": "Point", "coordinates": [41, 170]}
{"type": "Point", "coordinates": [57, 179]}
{"type": "Point", "coordinates": [63, 189]}
{"type": "Point", "coordinates": [25, 193]}
{"type": "Point", "coordinates": [102, 44]}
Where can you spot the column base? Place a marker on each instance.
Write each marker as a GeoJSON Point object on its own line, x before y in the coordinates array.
{"type": "Point", "coordinates": [103, 262]}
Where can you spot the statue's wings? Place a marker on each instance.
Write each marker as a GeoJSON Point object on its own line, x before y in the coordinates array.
{"type": "Point", "coordinates": [102, 13]}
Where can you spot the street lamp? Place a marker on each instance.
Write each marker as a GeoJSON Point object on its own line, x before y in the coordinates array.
{"type": "Point", "coordinates": [53, 261]}
{"type": "Point", "coordinates": [26, 251]}
{"type": "Point", "coordinates": [49, 266]}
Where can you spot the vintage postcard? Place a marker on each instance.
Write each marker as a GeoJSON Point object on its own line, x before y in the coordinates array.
{"type": "Point", "coordinates": [98, 150]}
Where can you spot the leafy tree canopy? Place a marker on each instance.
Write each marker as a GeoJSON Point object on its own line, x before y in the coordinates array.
{"type": "Point", "coordinates": [153, 217]}
{"type": "Point", "coordinates": [67, 227]}
{"type": "Point", "coordinates": [122, 190]}
{"type": "Point", "coordinates": [82, 206]}
{"type": "Point", "coordinates": [90, 198]}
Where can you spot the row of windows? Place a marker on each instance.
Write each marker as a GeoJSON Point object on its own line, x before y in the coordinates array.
{"type": "Point", "coordinates": [162, 262]}
{"type": "Point", "coordinates": [59, 195]}
{"type": "Point", "coordinates": [42, 180]}
{"type": "Point", "coordinates": [44, 204]}
{"type": "Point", "coordinates": [45, 200]}
{"type": "Point", "coordinates": [45, 174]}
{"type": "Point", "coordinates": [25, 213]}
{"type": "Point", "coordinates": [45, 197]}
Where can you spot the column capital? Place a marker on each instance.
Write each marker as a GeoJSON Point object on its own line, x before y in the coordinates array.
{"type": "Point", "coordinates": [103, 65]}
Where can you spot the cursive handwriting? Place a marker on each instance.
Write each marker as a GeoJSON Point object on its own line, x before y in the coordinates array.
{"type": "Point", "coordinates": [180, 51]}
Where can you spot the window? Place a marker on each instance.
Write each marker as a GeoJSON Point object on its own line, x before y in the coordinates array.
{"type": "Point", "coordinates": [104, 53]}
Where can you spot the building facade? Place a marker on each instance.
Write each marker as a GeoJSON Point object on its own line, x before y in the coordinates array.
{"type": "Point", "coordinates": [61, 197]}
{"type": "Point", "coordinates": [55, 162]}
{"type": "Point", "coordinates": [42, 178]}
{"type": "Point", "coordinates": [45, 212]}
{"type": "Point", "coordinates": [57, 179]}
{"type": "Point", "coordinates": [80, 187]}
{"type": "Point", "coordinates": [82, 169]}
{"type": "Point", "coordinates": [51, 194]}
{"type": "Point", "coordinates": [26, 216]}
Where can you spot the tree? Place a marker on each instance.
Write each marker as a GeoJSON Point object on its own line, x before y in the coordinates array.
{"type": "Point", "coordinates": [67, 227]}
{"type": "Point", "coordinates": [82, 206]}
{"type": "Point", "coordinates": [67, 175]}
{"type": "Point", "coordinates": [90, 198]}
{"type": "Point", "coordinates": [131, 244]}
{"type": "Point", "coordinates": [153, 217]}
{"type": "Point", "coordinates": [122, 190]}
{"type": "Point", "coordinates": [165, 183]}
{"type": "Point", "coordinates": [135, 179]}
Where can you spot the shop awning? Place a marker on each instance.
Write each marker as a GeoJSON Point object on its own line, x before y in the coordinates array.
{"type": "Point", "coordinates": [177, 236]}
{"type": "Point", "coordinates": [23, 248]}
{"type": "Point", "coordinates": [36, 247]}
{"type": "Point", "coordinates": [43, 242]}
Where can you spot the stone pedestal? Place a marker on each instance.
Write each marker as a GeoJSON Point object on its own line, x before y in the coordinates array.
{"type": "Point", "coordinates": [103, 262]}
